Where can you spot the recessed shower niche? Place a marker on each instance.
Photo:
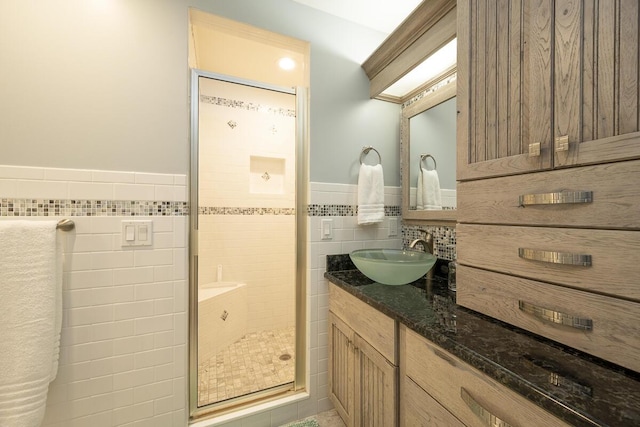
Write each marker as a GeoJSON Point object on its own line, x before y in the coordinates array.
{"type": "Point", "coordinates": [266, 175]}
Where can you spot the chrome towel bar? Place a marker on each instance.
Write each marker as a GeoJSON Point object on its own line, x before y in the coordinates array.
{"type": "Point", "coordinates": [65, 225]}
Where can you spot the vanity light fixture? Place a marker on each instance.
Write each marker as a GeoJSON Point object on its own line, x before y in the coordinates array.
{"type": "Point", "coordinates": [441, 60]}
{"type": "Point", "coordinates": [286, 63]}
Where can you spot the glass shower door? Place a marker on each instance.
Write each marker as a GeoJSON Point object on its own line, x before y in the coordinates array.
{"type": "Point", "coordinates": [246, 240]}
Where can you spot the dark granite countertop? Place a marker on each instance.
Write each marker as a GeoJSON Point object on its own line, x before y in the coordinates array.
{"type": "Point", "coordinates": [580, 389]}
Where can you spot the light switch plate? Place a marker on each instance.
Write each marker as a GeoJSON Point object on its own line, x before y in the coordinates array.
{"type": "Point", "coordinates": [326, 229]}
{"type": "Point", "coordinates": [142, 233]}
{"type": "Point", "coordinates": [393, 226]}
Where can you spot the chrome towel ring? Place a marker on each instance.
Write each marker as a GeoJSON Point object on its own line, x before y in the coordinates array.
{"type": "Point", "coordinates": [424, 157]}
{"type": "Point", "coordinates": [365, 151]}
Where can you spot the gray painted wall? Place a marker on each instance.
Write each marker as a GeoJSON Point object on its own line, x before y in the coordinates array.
{"type": "Point", "coordinates": [104, 85]}
{"type": "Point", "coordinates": [343, 118]}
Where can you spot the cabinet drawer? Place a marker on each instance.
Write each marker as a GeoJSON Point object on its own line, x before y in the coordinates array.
{"type": "Point", "coordinates": [596, 324]}
{"type": "Point", "coordinates": [376, 328]}
{"type": "Point", "coordinates": [615, 255]}
{"type": "Point", "coordinates": [418, 408]}
{"type": "Point", "coordinates": [463, 390]}
{"type": "Point", "coordinates": [615, 200]}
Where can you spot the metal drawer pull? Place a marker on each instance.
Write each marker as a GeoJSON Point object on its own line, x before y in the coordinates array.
{"type": "Point", "coordinates": [487, 418]}
{"type": "Point", "coordinates": [562, 381]}
{"type": "Point", "coordinates": [559, 198]}
{"type": "Point", "coordinates": [562, 143]}
{"type": "Point", "coordinates": [556, 316]}
{"type": "Point", "coordinates": [564, 258]}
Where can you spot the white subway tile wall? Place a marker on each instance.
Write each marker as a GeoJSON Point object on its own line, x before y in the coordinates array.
{"type": "Point", "coordinates": [123, 357]}
{"type": "Point", "coordinates": [347, 236]}
{"type": "Point", "coordinates": [124, 339]}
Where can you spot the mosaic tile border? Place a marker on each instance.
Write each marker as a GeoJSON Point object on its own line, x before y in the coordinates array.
{"type": "Point", "coordinates": [346, 210]}
{"type": "Point", "coordinates": [212, 210]}
{"type": "Point", "coordinates": [249, 106]}
{"type": "Point", "coordinates": [59, 207]}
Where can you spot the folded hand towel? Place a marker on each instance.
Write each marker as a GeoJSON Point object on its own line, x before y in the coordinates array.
{"type": "Point", "coordinates": [370, 194]}
{"type": "Point", "coordinates": [31, 307]}
{"type": "Point", "coordinates": [429, 196]}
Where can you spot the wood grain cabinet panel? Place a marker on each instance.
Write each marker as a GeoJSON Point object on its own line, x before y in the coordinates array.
{"type": "Point", "coordinates": [375, 327]}
{"type": "Point", "coordinates": [341, 368]}
{"type": "Point", "coordinates": [596, 88]}
{"type": "Point", "coordinates": [463, 390]}
{"type": "Point", "coordinates": [376, 387]}
{"type": "Point", "coordinates": [418, 408]}
{"type": "Point", "coordinates": [614, 255]}
{"type": "Point", "coordinates": [545, 84]}
{"type": "Point", "coordinates": [363, 382]}
{"type": "Point", "coordinates": [605, 327]}
{"type": "Point", "coordinates": [615, 201]}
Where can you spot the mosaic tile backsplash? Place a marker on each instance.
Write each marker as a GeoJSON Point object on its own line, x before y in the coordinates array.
{"type": "Point", "coordinates": [444, 239]}
{"type": "Point", "coordinates": [346, 210]}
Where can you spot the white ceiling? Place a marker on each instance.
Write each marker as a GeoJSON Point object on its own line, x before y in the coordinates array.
{"type": "Point", "coordinates": [380, 15]}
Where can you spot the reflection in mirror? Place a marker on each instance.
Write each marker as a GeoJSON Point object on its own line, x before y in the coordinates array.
{"type": "Point", "coordinates": [428, 127]}
{"type": "Point", "coordinates": [432, 157]}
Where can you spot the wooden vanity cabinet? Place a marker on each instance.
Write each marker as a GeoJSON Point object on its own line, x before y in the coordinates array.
{"type": "Point", "coordinates": [363, 372]}
{"type": "Point", "coordinates": [383, 374]}
{"type": "Point", "coordinates": [545, 84]}
{"type": "Point", "coordinates": [456, 393]}
{"type": "Point", "coordinates": [548, 233]}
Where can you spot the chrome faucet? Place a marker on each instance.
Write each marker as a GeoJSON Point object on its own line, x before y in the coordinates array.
{"type": "Point", "coordinates": [427, 246]}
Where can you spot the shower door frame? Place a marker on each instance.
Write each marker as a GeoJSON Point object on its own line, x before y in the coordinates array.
{"type": "Point", "coordinates": [301, 376]}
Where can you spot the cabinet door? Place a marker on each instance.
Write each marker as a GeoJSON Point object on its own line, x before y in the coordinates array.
{"type": "Point", "coordinates": [596, 89]}
{"type": "Point", "coordinates": [376, 384]}
{"type": "Point", "coordinates": [341, 368]}
{"type": "Point", "coordinates": [504, 87]}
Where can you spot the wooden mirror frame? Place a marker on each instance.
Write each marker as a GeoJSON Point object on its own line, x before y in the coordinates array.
{"type": "Point", "coordinates": [430, 100]}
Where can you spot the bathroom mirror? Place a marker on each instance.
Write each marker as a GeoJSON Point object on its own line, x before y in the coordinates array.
{"type": "Point", "coordinates": [428, 128]}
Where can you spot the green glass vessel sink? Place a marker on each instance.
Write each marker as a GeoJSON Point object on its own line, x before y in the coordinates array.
{"type": "Point", "coordinates": [392, 266]}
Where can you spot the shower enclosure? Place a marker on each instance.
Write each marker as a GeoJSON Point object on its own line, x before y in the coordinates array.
{"type": "Point", "coordinates": [247, 280]}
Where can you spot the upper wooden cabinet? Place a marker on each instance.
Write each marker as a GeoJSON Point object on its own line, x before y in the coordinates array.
{"type": "Point", "coordinates": [545, 84]}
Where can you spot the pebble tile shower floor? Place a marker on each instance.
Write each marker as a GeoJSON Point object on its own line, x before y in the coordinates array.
{"type": "Point", "coordinates": [250, 364]}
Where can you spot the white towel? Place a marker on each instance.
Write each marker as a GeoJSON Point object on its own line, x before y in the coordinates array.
{"type": "Point", "coordinates": [429, 196]}
{"type": "Point", "coordinates": [31, 315]}
{"type": "Point", "coordinates": [370, 194]}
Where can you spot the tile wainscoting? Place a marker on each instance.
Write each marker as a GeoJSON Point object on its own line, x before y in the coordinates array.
{"type": "Point", "coordinates": [123, 354]}
{"type": "Point", "coordinates": [124, 340]}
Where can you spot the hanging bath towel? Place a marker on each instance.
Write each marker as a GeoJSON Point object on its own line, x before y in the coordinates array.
{"type": "Point", "coordinates": [370, 194]}
{"type": "Point", "coordinates": [428, 194]}
{"type": "Point", "coordinates": [31, 315]}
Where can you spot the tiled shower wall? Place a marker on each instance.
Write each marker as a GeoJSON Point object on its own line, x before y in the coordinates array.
{"type": "Point", "coordinates": [246, 218]}
{"type": "Point", "coordinates": [124, 338]}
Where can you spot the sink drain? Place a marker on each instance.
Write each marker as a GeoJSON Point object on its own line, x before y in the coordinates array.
{"type": "Point", "coordinates": [285, 356]}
